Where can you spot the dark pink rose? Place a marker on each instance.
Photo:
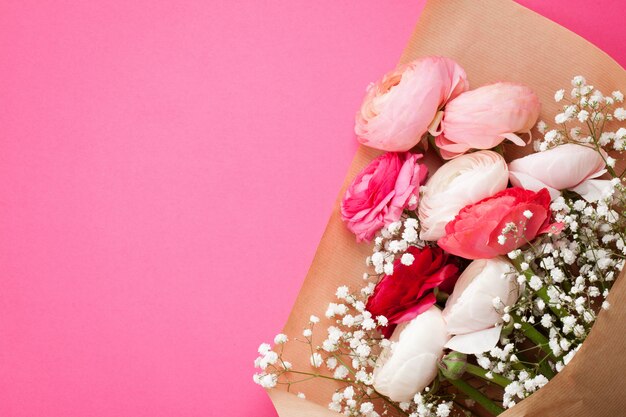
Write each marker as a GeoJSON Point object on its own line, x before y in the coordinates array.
{"type": "Point", "coordinates": [408, 292]}
{"type": "Point", "coordinates": [499, 224]}
{"type": "Point", "coordinates": [379, 194]}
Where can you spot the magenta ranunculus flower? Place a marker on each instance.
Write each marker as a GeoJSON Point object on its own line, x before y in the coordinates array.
{"type": "Point", "coordinates": [398, 109]}
{"type": "Point", "coordinates": [406, 293]}
{"type": "Point", "coordinates": [379, 194]}
{"type": "Point", "coordinates": [499, 224]}
{"type": "Point", "coordinates": [484, 117]}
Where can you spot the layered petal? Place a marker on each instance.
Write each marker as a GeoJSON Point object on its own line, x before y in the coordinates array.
{"type": "Point", "coordinates": [476, 342]}
{"type": "Point", "coordinates": [470, 306]}
{"type": "Point", "coordinates": [484, 117]}
{"type": "Point", "coordinates": [458, 183]}
{"type": "Point", "coordinates": [380, 193]}
{"type": "Point", "coordinates": [410, 364]}
{"type": "Point", "coordinates": [397, 110]}
{"type": "Point", "coordinates": [569, 166]}
{"type": "Point", "coordinates": [499, 224]}
{"type": "Point", "coordinates": [408, 292]}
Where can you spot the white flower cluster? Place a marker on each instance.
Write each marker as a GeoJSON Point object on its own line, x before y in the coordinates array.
{"type": "Point", "coordinates": [588, 109]}
{"type": "Point", "coordinates": [393, 242]}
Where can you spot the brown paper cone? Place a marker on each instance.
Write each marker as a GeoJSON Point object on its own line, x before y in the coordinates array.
{"type": "Point", "coordinates": [493, 40]}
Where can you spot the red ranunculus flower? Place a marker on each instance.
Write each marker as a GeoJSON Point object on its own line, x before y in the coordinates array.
{"type": "Point", "coordinates": [499, 224]}
{"type": "Point", "coordinates": [407, 293]}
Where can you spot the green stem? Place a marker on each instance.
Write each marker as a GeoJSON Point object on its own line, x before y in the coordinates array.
{"type": "Point", "coordinates": [542, 366]}
{"type": "Point", "coordinates": [534, 335]}
{"type": "Point", "coordinates": [477, 396]}
{"type": "Point", "coordinates": [545, 369]}
{"type": "Point", "coordinates": [481, 373]}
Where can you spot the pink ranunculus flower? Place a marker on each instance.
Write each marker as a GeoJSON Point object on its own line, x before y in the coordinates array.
{"type": "Point", "coordinates": [484, 117]}
{"type": "Point", "coordinates": [398, 109]}
{"type": "Point", "coordinates": [380, 193]}
{"type": "Point", "coordinates": [499, 224]}
{"type": "Point", "coordinates": [566, 167]}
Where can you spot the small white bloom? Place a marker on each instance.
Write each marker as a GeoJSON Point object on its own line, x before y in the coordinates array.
{"type": "Point", "coordinates": [316, 360]}
{"type": "Point", "coordinates": [560, 119]}
{"type": "Point", "coordinates": [314, 319]}
{"type": "Point", "coordinates": [394, 227]}
{"type": "Point", "coordinates": [542, 127]}
{"type": "Point", "coordinates": [618, 96]}
{"type": "Point", "coordinates": [443, 410]}
{"type": "Point", "coordinates": [583, 116]}
{"type": "Point", "coordinates": [366, 408]}
{"type": "Point", "coordinates": [343, 291]}
{"type": "Point", "coordinates": [307, 333]}
{"type": "Point", "coordinates": [268, 381]}
{"type": "Point", "coordinates": [280, 339]}
{"type": "Point", "coordinates": [514, 254]}
{"type": "Point", "coordinates": [535, 283]}
{"type": "Point", "coordinates": [528, 214]}
{"type": "Point", "coordinates": [558, 96]}
{"type": "Point", "coordinates": [301, 395]}
{"type": "Point", "coordinates": [409, 235]}
{"type": "Point", "coordinates": [407, 259]}
{"type": "Point", "coordinates": [341, 372]}
{"type": "Point", "coordinates": [620, 114]}
{"type": "Point", "coordinates": [368, 324]}
{"type": "Point", "coordinates": [610, 161]}
{"type": "Point", "coordinates": [348, 320]}
{"type": "Point", "coordinates": [264, 348]}
{"type": "Point", "coordinates": [483, 361]}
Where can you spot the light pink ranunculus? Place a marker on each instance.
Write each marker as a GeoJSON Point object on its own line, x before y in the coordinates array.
{"type": "Point", "coordinates": [565, 167]}
{"type": "Point", "coordinates": [484, 117]}
{"type": "Point", "coordinates": [483, 230]}
{"type": "Point", "coordinates": [398, 109]}
{"type": "Point", "coordinates": [458, 183]}
{"type": "Point", "coordinates": [379, 193]}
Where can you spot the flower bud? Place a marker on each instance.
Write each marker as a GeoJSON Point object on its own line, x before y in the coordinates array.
{"type": "Point", "coordinates": [410, 364]}
{"type": "Point", "coordinates": [453, 365]}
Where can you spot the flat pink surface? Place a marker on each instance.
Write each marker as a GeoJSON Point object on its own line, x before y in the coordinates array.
{"type": "Point", "coordinates": [166, 171]}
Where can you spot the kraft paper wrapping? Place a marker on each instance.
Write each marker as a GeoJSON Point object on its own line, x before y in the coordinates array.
{"type": "Point", "coordinates": [493, 40]}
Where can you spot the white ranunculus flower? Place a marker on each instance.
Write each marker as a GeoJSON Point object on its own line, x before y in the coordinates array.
{"type": "Point", "coordinates": [570, 166]}
{"type": "Point", "coordinates": [470, 313]}
{"type": "Point", "coordinates": [458, 183]}
{"type": "Point", "coordinates": [410, 364]}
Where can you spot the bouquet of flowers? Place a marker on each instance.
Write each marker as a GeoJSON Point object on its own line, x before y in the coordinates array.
{"type": "Point", "coordinates": [484, 272]}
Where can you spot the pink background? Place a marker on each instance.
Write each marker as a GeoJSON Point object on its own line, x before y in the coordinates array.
{"type": "Point", "coordinates": [166, 171]}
